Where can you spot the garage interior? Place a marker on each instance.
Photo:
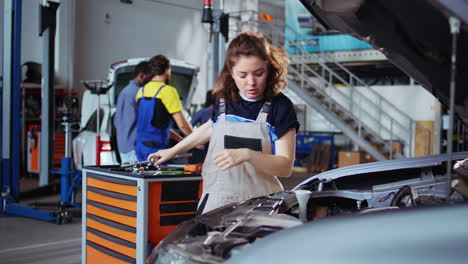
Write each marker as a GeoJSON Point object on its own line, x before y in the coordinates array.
{"type": "Point", "coordinates": [353, 104]}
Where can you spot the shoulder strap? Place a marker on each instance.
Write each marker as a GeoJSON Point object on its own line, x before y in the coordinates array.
{"type": "Point", "coordinates": [157, 92]}
{"type": "Point", "coordinates": [222, 109]}
{"type": "Point", "coordinates": [142, 93]}
{"type": "Point", "coordinates": [263, 115]}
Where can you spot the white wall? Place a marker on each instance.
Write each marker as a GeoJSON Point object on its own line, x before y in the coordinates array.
{"type": "Point", "coordinates": [31, 43]}
{"type": "Point", "coordinates": [273, 8]}
{"type": "Point", "coordinates": [414, 100]}
{"type": "Point", "coordinates": [142, 29]}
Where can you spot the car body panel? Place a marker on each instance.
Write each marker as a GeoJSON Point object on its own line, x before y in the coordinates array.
{"type": "Point", "coordinates": [224, 232]}
{"type": "Point", "coordinates": [396, 236]}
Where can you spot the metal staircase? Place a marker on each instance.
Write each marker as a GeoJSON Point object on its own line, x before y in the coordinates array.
{"type": "Point", "coordinates": [368, 119]}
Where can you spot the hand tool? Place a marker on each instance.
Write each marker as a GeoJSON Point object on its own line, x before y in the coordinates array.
{"type": "Point", "coordinates": [153, 160]}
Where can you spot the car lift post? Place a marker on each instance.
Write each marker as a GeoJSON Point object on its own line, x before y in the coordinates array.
{"type": "Point", "coordinates": [10, 98]}
{"type": "Point", "coordinates": [11, 95]}
{"type": "Point", "coordinates": [10, 110]}
{"type": "Point", "coordinates": [48, 21]}
{"type": "Point", "coordinates": [219, 24]}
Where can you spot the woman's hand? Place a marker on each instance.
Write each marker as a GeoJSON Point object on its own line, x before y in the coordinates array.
{"type": "Point", "coordinates": [161, 156]}
{"type": "Point", "coordinates": [231, 157]}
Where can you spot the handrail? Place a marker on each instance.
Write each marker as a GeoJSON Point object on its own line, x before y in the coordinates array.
{"type": "Point", "coordinates": [331, 72]}
{"type": "Point", "coordinates": [360, 94]}
{"type": "Point", "coordinates": [337, 104]}
{"type": "Point", "coordinates": [356, 91]}
{"type": "Point", "coordinates": [331, 59]}
{"type": "Point", "coordinates": [341, 93]}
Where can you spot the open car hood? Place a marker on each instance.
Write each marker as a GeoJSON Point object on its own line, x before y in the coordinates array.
{"type": "Point", "coordinates": [414, 35]}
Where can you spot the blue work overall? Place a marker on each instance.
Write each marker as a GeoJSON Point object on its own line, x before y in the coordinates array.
{"type": "Point", "coordinates": [149, 138]}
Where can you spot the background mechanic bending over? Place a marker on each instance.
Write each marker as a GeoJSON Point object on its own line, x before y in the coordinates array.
{"type": "Point", "coordinates": [158, 103]}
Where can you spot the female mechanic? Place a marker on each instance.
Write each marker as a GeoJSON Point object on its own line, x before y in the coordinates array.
{"type": "Point", "coordinates": [253, 128]}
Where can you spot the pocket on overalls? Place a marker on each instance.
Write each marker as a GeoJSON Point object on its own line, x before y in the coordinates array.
{"type": "Point", "coordinates": [232, 142]}
{"type": "Point", "coordinates": [151, 144]}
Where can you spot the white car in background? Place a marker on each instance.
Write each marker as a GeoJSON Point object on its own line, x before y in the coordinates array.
{"type": "Point", "coordinates": [183, 78]}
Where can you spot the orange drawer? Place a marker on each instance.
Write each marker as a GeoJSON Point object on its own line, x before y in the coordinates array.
{"type": "Point", "coordinates": [110, 186]}
{"type": "Point", "coordinates": [116, 217]}
{"type": "Point", "coordinates": [114, 231]}
{"type": "Point", "coordinates": [94, 256]}
{"type": "Point", "coordinates": [124, 250]}
{"type": "Point", "coordinates": [112, 201]}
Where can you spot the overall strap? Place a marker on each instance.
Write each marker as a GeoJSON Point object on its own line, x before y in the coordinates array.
{"type": "Point", "coordinates": [142, 93]}
{"type": "Point", "coordinates": [222, 109]}
{"type": "Point", "coordinates": [156, 94]}
{"type": "Point", "coordinates": [263, 115]}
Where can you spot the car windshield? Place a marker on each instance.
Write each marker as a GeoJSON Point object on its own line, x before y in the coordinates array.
{"type": "Point", "coordinates": [182, 83]}
{"type": "Point", "coordinates": [123, 76]}
{"type": "Point", "coordinates": [181, 79]}
{"type": "Point", "coordinates": [91, 125]}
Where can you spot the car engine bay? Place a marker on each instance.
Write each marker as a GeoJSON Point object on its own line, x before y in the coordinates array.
{"type": "Point", "coordinates": [216, 236]}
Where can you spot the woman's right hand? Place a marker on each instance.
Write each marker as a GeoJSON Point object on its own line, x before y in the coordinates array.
{"type": "Point", "coordinates": [161, 156]}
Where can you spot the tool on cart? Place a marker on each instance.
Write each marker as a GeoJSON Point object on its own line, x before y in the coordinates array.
{"type": "Point", "coordinates": [178, 156]}
{"type": "Point", "coordinates": [148, 168]}
{"type": "Point", "coordinates": [193, 168]}
{"type": "Point", "coordinates": [126, 164]}
{"type": "Point", "coordinates": [153, 160]}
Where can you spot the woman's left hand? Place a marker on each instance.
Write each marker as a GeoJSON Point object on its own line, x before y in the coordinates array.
{"type": "Point", "coordinates": [231, 157]}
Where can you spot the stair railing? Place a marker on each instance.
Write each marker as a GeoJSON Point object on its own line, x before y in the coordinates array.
{"type": "Point", "coordinates": [367, 108]}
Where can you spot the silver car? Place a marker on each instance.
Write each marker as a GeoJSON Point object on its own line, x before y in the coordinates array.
{"type": "Point", "coordinates": [395, 211]}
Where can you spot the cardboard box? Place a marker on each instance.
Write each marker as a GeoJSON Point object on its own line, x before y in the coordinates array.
{"type": "Point", "coordinates": [397, 148]}
{"type": "Point", "coordinates": [368, 158]}
{"type": "Point", "coordinates": [348, 158]}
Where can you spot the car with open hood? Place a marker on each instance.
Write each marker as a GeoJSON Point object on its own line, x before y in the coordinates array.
{"type": "Point", "coordinates": [404, 210]}
{"type": "Point", "coordinates": [183, 77]}
{"type": "Point", "coordinates": [367, 189]}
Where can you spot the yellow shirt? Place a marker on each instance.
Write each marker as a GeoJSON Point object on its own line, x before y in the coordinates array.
{"type": "Point", "coordinates": [168, 95]}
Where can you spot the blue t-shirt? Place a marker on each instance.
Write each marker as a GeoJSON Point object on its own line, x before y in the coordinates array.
{"type": "Point", "coordinates": [281, 118]}
{"type": "Point", "coordinates": [125, 117]}
{"type": "Point", "coordinates": [202, 116]}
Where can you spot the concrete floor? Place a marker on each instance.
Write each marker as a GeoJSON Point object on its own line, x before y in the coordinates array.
{"type": "Point", "coordinates": [24, 240]}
